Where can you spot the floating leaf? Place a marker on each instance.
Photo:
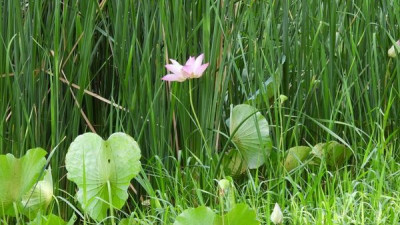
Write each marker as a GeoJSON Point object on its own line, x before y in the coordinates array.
{"type": "Point", "coordinates": [239, 215]}
{"type": "Point", "coordinates": [51, 220]}
{"type": "Point", "coordinates": [197, 216]}
{"type": "Point", "coordinates": [17, 176]}
{"type": "Point", "coordinates": [233, 163]}
{"type": "Point", "coordinates": [252, 135]}
{"type": "Point", "coordinates": [102, 169]}
{"type": "Point", "coordinates": [296, 156]}
{"type": "Point", "coordinates": [127, 221]}
{"type": "Point", "coordinates": [39, 197]}
{"type": "Point", "coordinates": [334, 154]}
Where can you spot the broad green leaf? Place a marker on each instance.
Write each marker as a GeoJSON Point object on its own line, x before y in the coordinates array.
{"type": "Point", "coordinates": [296, 156]}
{"type": "Point", "coordinates": [39, 197]}
{"type": "Point", "coordinates": [233, 163]}
{"type": "Point", "coordinates": [239, 215]}
{"type": "Point", "coordinates": [252, 135]}
{"type": "Point", "coordinates": [17, 176]}
{"type": "Point", "coordinates": [196, 216]}
{"type": "Point", "coordinates": [51, 220]}
{"type": "Point", "coordinates": [93, 163]}
{"type": "Point", "coordinates": [127, 221]}
{"type": "Point", "coordinates": [334, 154]}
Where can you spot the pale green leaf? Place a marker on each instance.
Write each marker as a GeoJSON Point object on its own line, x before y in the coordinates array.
{"type": "Point", "coordinates": [17, 176]}
{"type": "Point", "coordinates": [241, 214]}
{"type": "Point", "coordinates": [92, 163]}
{"type": "Point", "coordinates": [252, 134]}
{"type": "Point", "coordinates": [51, 220]}
{"type": "Point", "coordinates": [296, 156]}
{"type": "Point", "coordinates": [196, 216]}
{"type": "Point", "coordinates": [39, 197]}
{"type": "Point", "coordinates": [333, 153]}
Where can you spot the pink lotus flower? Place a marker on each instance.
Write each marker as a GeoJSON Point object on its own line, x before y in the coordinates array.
{"type": "Point", "coordinates": [192, 69]}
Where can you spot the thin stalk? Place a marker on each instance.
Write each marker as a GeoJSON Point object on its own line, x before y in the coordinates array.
{"type": "Point", "coordinates": [197, 120]}
{"type": "Point", "coordinates": [16, 212]}
{"type": "Point", "coordinates": [110, 202]}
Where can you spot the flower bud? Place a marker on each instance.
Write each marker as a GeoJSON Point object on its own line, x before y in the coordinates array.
{"type": "Point", "coordinates": [277, 216]}
{"type": "Point", "coordinates": [392, 51]}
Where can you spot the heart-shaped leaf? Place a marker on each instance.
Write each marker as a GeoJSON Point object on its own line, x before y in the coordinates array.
{"type": "Point", "coordinates": [39, 197]}
{"type": "Point", "coordinates": [296, 156]}
{"type": "Point", "coordinates": [250, 134]}
{"type": "Point", "coordinates": [239, 215]}
{"type": "Point", "coordinates": [51, 220]}
{"type": "Point", "coordinates": [197, 216]}
{"type": "Point", "coordinates": [17, 177]}
{"type": "Point", "coordinates": [102, 169]}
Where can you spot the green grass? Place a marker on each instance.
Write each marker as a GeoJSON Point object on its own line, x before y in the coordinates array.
{"type": "Point", "coordinates": [328, 57]}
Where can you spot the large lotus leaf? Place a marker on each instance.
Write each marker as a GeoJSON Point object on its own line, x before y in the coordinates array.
{"type": "Point", "coordinates": [39, 197]}
{"type": "Point", "coordinates": [94, 164]}
{"type": "Point", "coordinates": [296, 156]}
{"type": "Point", "coordinates": [233, 163]}
{"type": "Point", "coordinates": [197, 216]}
{"type": "Point", "coordinates": [239, 215]}
{"type": "Point", "coordinates": [252, 134]}
{"type": "Point", "coordinates": [334, 154]}
{"type": "Point", "coordinates": [51, 220]}
{"type": "Point", "coordinates": [17, 176]}
{"type": "Point", "coordinates": [127, 221]}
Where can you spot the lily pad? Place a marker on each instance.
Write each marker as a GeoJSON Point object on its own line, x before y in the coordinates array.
{"type": "Point", "coordinates": [334, 154]}
{"type": "Point", "coordinates": [239, 215]}
{"type": "Point", "coordinates": [296, 156]}
{"type": "Point", "coordinates": [17, 177]}
{"type": "Point", "coordinates": [197, 216]}
{"type": "Point", "coordinates": [39, 197]}
{"type": "Point", "coordinates": [51, 220]}
{"type": "Point", "coordinates": [101, 169]}
{"type": "Point", "coordinates": [250, 134]}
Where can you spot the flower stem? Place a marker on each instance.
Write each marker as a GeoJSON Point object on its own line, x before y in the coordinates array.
{"type": "Point", "coordinates": [197, 120]}
{"type": "Point", "coordinates": [110, 202]}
